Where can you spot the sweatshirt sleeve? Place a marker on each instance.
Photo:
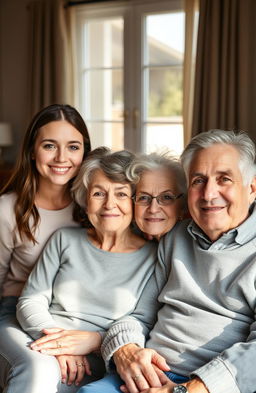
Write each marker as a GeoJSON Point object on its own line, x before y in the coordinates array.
{"type": "Point", "coordinates": [7, 225]}
{"type": "Point", "coordinates": [134, 328]}
{"type": "Point", "coordinates": [233, 371]}
{"type": "Point", "coordinates": [33, 306]}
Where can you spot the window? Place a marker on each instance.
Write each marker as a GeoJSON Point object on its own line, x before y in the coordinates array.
{"type": "Point", "coordinates": [130, 71]}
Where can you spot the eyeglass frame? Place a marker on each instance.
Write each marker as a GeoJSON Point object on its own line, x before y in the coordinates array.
{"type": "Point", "coordinates": [170, 202]}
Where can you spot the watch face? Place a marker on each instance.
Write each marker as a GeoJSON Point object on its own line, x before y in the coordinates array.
{"type": "Point", "coordinates": [180, 389]}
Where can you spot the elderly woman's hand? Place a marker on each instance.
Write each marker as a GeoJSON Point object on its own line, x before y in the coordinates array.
{"type": "Point", "coordinates": [140, 368]}
{"type": "Point", "coordinates": [73, 368]}
{"type": "Point", "coordinates": [67, 342]}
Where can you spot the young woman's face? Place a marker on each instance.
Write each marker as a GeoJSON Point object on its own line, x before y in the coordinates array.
{"type": "Point", "coordinates": [58, 152]}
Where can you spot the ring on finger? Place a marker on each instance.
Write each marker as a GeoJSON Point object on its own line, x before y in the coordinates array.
{"type": "Point", "coordinates": [136, 377]}
{"type": "Point", "coordinates": [79, 364]}
{"type": "Point", "coordinates": [58, 344]}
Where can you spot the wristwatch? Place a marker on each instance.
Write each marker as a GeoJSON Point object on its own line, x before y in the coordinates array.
{"type": "Point", "coordinates": [180, 389]}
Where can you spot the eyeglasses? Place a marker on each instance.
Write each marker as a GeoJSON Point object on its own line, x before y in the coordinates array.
{"type": "Point", "coordinates": [164, 199]}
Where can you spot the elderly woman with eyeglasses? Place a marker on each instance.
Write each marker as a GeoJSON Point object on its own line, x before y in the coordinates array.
{"type": "Point", "coordinates": [86, 279]}
{"type": "Point", "coordinates": [160, 192]}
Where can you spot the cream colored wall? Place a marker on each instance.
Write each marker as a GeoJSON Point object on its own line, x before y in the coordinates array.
{"type": "Point", "coordinates": [13, 69]}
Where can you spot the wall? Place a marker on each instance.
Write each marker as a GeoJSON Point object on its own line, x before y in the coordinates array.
{"type": "Point", "coordinates": [13, 70]}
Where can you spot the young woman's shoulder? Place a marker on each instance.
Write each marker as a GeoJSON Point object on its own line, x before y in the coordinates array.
{"type": "Point", "coordinates": [7, 215]}
{"type": "Point", "coordinates": [7, 201]}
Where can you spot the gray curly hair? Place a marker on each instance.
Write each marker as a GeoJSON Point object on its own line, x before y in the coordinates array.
{"type": "Point", "coordinates": [112, 164]}
{"type": "Point", "coordinates": [153, 161]}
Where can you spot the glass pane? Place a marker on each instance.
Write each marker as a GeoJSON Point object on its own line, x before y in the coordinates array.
{"type": "Point", "coordinates": [165, 38]}
{"type": "Point", "coordinates": [104, 40]}
{"type": "Point", "coordinates": [164, 136]}
{"type": "Point", "coordinates": [103, 95]}
{"type": "Point", "coordinates": [106, 134]}
{"type": "Point", "coordinates": [165, 93]}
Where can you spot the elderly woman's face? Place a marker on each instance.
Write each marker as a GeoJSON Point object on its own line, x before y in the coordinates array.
{"type": "Point", "coordinates": [109, 204]}
{"type": "Point", "coordinates": [156, 219]}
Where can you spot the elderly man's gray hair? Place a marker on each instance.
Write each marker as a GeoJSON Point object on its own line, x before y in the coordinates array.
{"type": "Point", "coordinates": [153, 161]}
{"type": "Point", "coordinates": [239, 140]}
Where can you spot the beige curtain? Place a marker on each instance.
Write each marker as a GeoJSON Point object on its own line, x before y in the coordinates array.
{"type": "Point", "coordinates": [225, 67]}
{"type": "Point", "coordinates": [191, 30]}
{"type": "Point", "coordinates": [50, 66]}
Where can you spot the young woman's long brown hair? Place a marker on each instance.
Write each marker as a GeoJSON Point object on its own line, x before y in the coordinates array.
{"type": "Point", "coordinates": [24, 180]}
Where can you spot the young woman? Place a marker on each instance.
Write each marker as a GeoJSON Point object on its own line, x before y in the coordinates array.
{"type": "Point", "coordinates": [37, 201]}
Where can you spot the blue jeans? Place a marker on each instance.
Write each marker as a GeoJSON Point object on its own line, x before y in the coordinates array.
{"type": "Point", "coordinates": [111, 383]}
{"type": "Point", "coordinates": [8, 306]}
{"type": "Point", "coordinates": [176, 378]}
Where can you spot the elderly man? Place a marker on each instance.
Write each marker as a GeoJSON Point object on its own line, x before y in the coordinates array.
{"type": "Point", "coordinates": [206, 329]}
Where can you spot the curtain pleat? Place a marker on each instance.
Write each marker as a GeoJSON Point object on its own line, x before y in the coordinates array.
{"type": "Point", "coordinates": [191, 30]}
{"type": "Point", "coordinates": [48, 55]}
{"type": "Point", "coordinates": [225, 66]}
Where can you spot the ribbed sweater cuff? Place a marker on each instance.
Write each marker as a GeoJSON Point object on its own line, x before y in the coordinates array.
{"type": "Point", "coordinates": [119, 335]}
{"type": "Point", "coordinates": [217, 377]}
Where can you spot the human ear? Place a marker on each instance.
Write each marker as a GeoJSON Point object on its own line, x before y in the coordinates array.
{"type": "Point", "coordinates": [252, 186]}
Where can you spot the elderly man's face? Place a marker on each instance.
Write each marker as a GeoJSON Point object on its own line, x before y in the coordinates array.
{"type": "Point", "coordinates": [217, 198]}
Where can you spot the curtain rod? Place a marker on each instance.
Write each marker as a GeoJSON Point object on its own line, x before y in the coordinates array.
{"type": "Point", "coordinates": [72, 3]}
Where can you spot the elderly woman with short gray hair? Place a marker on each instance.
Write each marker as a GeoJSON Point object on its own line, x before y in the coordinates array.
{"type": "Point", "coordinates": [86, 279]}
{"type": "Point", "coordinates": [160, 196]}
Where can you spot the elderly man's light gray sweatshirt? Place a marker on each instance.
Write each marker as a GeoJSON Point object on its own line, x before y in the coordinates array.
{"type": "Point", "coordinates": [207, 326]}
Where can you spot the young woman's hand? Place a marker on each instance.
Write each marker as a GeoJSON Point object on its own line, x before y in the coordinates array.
{"type": "Point", "coordinates": [73, 368]}
{"type": "Point", "coordinates": [67, 342]}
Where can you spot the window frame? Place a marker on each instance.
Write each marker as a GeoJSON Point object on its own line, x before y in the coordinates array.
{"type": "Point", "coordinates": [133, 13]}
